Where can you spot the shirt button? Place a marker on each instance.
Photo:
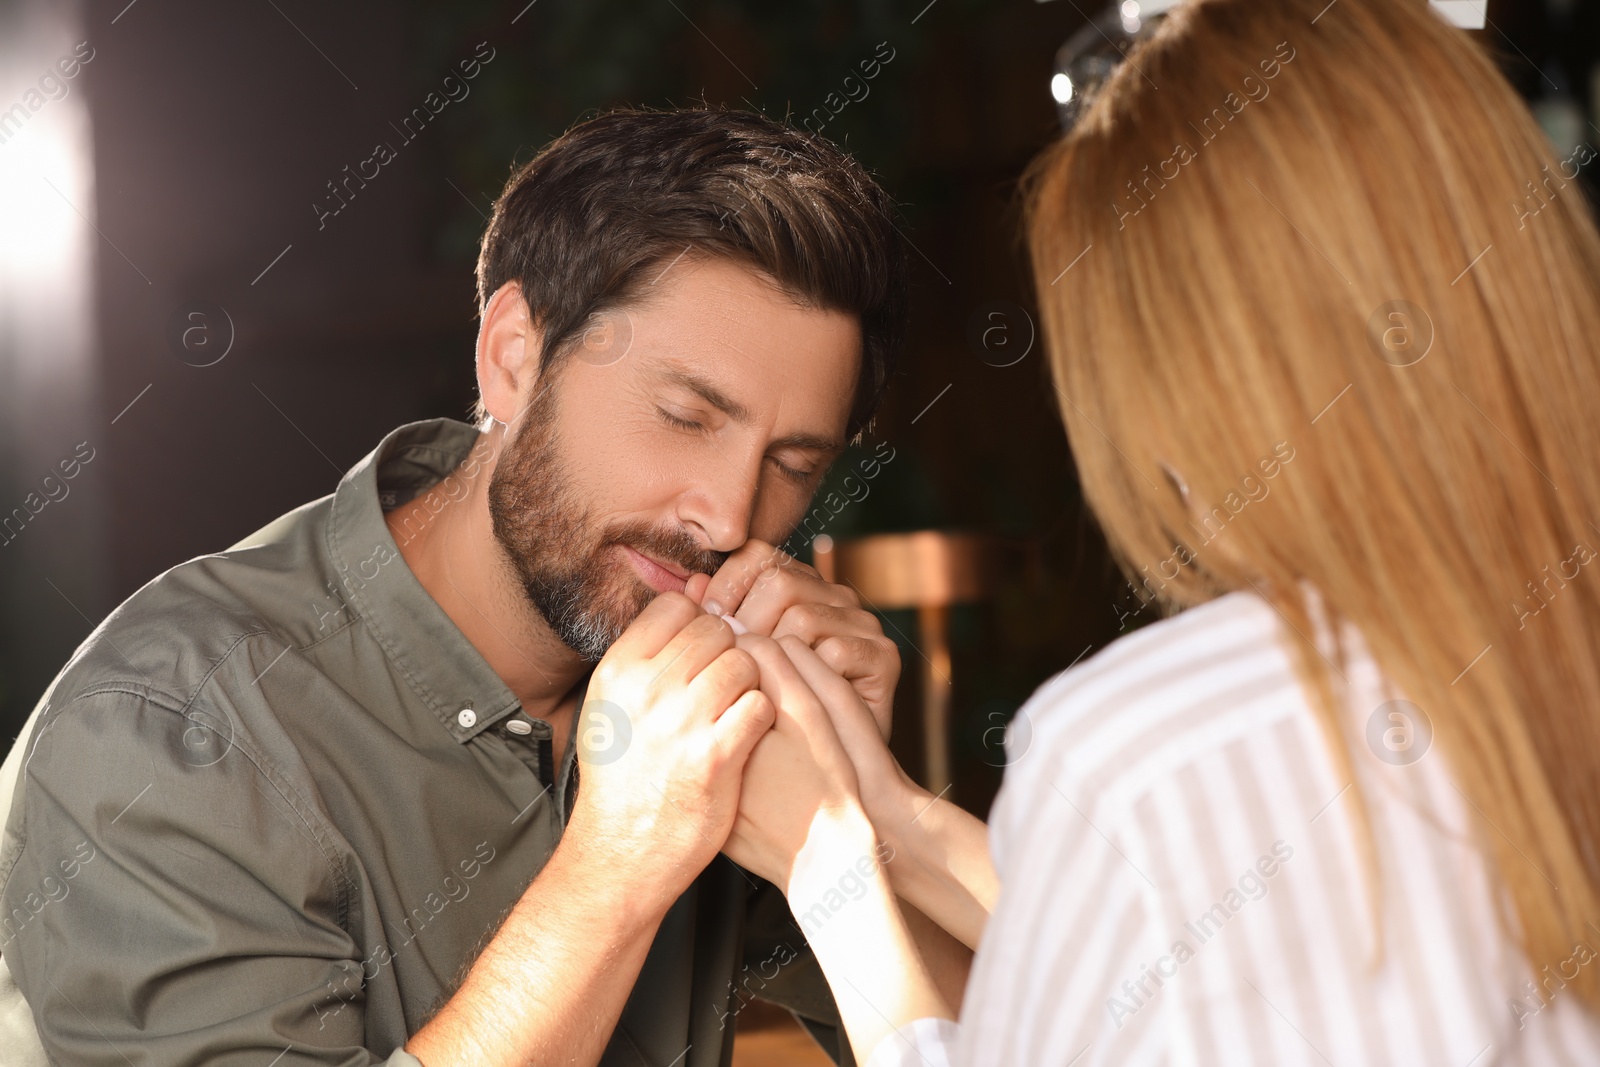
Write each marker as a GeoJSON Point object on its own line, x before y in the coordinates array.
{"type": "Point", "coordinates": [467, 717]}
{"type": "Point", "coordinates": [520, 727]}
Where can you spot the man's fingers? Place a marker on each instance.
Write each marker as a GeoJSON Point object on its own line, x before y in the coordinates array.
{"type": "Point", "coordinates": [657, 624]}
{"type": "Point", "coordinates": [779, 679]}
{"type": "Point", "coordinates": [746, 722]}
{"type": "Point", "coordinates": [779, 589]}
{"type": "Point", "coordinates": [724, 680]}
{"type": "Point", "coordinates": [693, 648]}
{"type": "Point", "coordinates": [852, 657]}
{"type": "Point", "coordinates": [852, 642]}
{"type": "Point", "coordinates": [855, 658]}
{"type": "Point", "coordinates": [811, 622]}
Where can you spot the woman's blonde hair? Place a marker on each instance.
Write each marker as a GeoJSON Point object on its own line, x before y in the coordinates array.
{"type": "Point", "coordinates": [1334, 233]}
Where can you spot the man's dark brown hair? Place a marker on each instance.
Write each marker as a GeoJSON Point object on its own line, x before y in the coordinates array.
{"type": "Point", "coordinates": [586, 225]}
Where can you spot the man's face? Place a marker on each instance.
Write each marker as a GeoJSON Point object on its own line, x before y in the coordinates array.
{"type": "Point", "coordinates": [676, 430]}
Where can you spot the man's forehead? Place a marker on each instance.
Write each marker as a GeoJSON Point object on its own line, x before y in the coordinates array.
{"type": "Point", "coordinates": [715, 292]}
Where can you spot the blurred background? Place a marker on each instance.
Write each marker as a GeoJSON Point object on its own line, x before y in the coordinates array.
{"type": "Point", "coordinates": [203, 321]}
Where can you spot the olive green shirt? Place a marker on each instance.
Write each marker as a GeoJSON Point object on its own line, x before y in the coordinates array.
{"type": "Point", "coordinates": [276, 803]}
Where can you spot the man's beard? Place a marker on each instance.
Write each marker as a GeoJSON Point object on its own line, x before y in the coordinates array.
{"type": "Point", "coordinates": [570, 569]}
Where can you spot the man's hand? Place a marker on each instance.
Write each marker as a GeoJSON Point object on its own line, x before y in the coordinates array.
{"type": "Point", "coordinates": [773, 594]}
{"type": "Point", "coordinates": [670, 716]}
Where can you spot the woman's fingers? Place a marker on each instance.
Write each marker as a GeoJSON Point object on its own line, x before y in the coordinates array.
{"type": "Point", "coordinates": [843, 704]}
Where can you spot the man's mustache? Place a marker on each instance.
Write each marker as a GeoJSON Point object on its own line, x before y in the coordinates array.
{"type": "Point", "coordinates": [671, 546]}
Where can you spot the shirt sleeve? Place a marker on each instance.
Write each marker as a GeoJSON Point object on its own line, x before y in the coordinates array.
{"type": "Point", "coordinates": [1071, 923]}
{"type": "Point", "coordinates": [920, 1043]}
{"type": "Point", "coordinates": [175, 899]}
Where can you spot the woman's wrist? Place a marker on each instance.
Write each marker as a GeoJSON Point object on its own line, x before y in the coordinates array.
{"type": "Point", "coordinates": [848, 914]}
{"type": "Point", "coordinates": [896, 809]}
{"type": "Point", "coordinates": [892, 801]}
{"type": "Point", "coordinates": [837, 841]}
{"type": "Point", "coordinates": [839, 891]}
{"type": "Point", "coordinates": [936, 856]}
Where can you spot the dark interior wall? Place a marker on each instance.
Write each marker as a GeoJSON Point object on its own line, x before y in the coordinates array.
{"type": "Point", "coordinates": [217, 128]}
{"type": "Point", "coordinates": [214, 130]}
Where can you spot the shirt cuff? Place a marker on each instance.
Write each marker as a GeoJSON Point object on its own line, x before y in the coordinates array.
{"type": "Point", "coordinates": [920, 1043]}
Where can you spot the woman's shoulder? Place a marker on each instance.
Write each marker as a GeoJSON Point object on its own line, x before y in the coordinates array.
{"type": "Point", "coordinates": [1175, 664]}
{"type": "Point", "coordinates": [1161, 698]}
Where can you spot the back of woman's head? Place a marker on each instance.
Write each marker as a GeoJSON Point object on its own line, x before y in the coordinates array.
{"type": "Point", "coordinates": [1317, 264]}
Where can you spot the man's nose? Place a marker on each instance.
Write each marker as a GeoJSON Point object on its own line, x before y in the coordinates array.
{"type": "Point", "coordinates": [721, 506]}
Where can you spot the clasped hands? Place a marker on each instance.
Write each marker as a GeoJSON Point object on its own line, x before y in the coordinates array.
{"type": "Point", "coordinates": [743, 743]}
{"type": "Point", "coordinates": [771, 747]}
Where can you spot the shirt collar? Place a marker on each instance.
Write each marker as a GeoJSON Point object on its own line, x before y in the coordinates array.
{"type": "Point", "coordinates": [448, 674]}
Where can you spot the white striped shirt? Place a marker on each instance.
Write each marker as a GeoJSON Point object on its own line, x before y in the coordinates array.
{"type": "Point", "coordinates": [1181, 881]}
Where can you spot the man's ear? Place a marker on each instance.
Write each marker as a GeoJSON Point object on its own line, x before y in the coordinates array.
{"type": "Point", "coordinates": [508, 353]}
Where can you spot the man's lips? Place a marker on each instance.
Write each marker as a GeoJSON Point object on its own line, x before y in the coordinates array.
{"type": "Point", "coordinates": [660, 576]}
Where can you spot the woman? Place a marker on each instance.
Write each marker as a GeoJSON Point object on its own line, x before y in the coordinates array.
{"type": "Point", "coordinates": [1321, 306]}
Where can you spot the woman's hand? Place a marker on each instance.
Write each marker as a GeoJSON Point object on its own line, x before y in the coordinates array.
{"type": "Point", "coordinates": [884, 787]}
{"type": "Point", "coordinates": [940, 852]}
{"type": "Point", "coordinates": [799, 783]}
{"type": "Point", "coordinates": [801, 826]}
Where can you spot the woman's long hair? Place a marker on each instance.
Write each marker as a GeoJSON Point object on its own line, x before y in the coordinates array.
{"type": "Point", "coordinates": [1333, 232]}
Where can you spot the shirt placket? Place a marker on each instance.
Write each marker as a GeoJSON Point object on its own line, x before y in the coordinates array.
{"type": "Point", "coordinates": [530, 739]}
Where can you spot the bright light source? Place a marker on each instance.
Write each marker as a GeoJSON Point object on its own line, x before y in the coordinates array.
{"type": "Point", "coordinates": [1130, 9]}
{"type": "Point", "coordinates": [47, 249]}
{"type": "Point", "coordinates": [1467, 14]}
{"type": "Point", "coordinates": [42, 232]}
{"type": "Point", "coordinates": [1061, 88]}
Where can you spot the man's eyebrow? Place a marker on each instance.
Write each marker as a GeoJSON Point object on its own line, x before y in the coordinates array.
{"type": "Point", "coordinates": [693, 382]}
{"type": "Point", "coordinates": [830, 447]}
{"type": "Point", "coordinates": [682, 376]}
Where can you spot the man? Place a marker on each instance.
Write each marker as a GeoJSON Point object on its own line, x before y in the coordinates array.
{"type": "Point", "coordinates": [354, 791]}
